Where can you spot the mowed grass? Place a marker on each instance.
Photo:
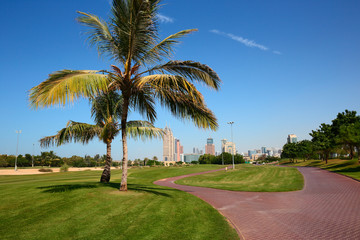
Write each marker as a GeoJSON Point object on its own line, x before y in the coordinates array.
{"type": "Point", "coordinates": [250, 178]}
{"type": "Point", "coordinates": [349, 168]}
{"type": "Point", "coordinates": [73, 205]}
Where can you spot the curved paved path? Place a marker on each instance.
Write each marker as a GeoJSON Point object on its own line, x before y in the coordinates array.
{"type": "Point", "coordinates": [327, 208]}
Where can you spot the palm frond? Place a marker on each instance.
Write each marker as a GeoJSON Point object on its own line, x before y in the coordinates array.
{"type": "Point", "coordinates": [163, 48]}
{"type": "Point", "coordinates": [99, 34]}
{"type": "Point", "coordinates": [135, 27]}
{"type": "Point", "coordinates": [184, 106]}
{"type": "Point", "coordinates": [106, 107]}
{"type": "Point", "coordinates": [174, 83]}
{"type": "Point", "coordinates": [109, 131]}
{"type": "Point", "coordinates": [143, 101]}
{"type": "Point", "coordinates": [74, 131]}
{"type": "Point", "coordinates": [193, 71]}
{"type": "Point", "coordinates": [66, 86]}
{"type": "Point", "coordinates": [143, 130]}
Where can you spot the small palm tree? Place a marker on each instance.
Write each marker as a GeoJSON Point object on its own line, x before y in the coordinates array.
{"type": "Point", "coordinates": [106, 110]}
{"type": "Point", "coordinates": [145, 73]}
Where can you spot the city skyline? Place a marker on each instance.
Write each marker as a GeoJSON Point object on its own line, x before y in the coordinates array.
{"type": "Point", "coordinates": [284, 69]}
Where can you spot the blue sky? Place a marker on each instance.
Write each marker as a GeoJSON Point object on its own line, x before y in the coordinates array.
{"type": "Point", "coordinates": [286, 67]}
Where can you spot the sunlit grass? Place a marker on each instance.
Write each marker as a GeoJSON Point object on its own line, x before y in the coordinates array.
{"type": "Point", "coordinates": [73, 205]}
{"type": "Point", "coordinates": [349, 168]}
{"type": "Point", "coordinates": [250, 178]}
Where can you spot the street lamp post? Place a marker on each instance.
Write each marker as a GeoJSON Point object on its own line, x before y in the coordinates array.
{"type": "Point", "coordinates": [32, 159]}
{"type": "Point", "coordinates": [17, 147]}
{"type": "Point", "coordinates": [232, 140]}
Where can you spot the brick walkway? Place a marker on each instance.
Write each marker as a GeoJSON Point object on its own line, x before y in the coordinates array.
{"type": "Point", "coordinates": [327, 208]}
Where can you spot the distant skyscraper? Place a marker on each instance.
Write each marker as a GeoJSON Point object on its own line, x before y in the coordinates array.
{"type": "Point", "coordinates": [223, 143]}
{"type": "Point", "coordinates": [263, 150]}
{"type": "Point", "coordinates": [178, 150]}
{"type": "Point", "coordinates": [168, 145]}
{"type": "Point", "coordinates": [292, 138]}
{"type": "Point", "coordinates": [228, 147]}
{"type": "Point", "coordinates": [210, 147]}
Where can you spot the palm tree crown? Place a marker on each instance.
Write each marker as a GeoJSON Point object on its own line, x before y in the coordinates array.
{"type": "Point", "coordinates": [145, 73]}
{"type": "Point", "coordinates": [106, 110]}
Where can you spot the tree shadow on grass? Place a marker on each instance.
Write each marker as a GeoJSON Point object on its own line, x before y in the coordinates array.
{"type": "Point", "coordinates": [133, 187]}
{"type": "Point", "coordinates": [354, 169]}
{"type": "Point", "coordinates": [66, 187]}
{"type": "Point", "coordinates": [143, 188]}
{"type": "Point", "coordinates": [342, 165]}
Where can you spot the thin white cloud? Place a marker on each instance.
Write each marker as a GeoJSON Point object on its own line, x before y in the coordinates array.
{"type": "Point", "coordinates": [165, 19]}
{"type": "Point", "coordinates": [245, 41]}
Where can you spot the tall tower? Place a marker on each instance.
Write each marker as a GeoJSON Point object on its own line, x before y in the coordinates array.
{"type": "Point", "coordinates": [292, 138]}
{"type": "Point", "coordinates": [210, 147]}
{"type": "Point", "coordinates": [178, 150]}
{"type": "Point", "coordinates": [223, 144]}
{"type": "Point", "coordinates": [168, 145]}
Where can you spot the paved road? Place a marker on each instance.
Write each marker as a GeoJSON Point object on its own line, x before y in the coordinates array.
{"type": "Point", "coordinates": [327, 208]}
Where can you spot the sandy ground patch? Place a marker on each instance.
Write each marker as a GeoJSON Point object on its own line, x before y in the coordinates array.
{"type": "Point", "coordinates": [29, 171]}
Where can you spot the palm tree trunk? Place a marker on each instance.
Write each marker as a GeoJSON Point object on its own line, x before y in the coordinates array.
{"type": "Point", "coordinates": [123, 184]}
{"type": "Point", "coordinates": [105, 176]}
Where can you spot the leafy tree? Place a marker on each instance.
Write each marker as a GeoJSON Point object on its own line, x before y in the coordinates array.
{"type": "Point", "coordinates": [271, 159]}
{"type": "Point", "coordinates": [305, 149]}
{"type": "Point", "coordinates": [106, 109]}
{"type": "Point", "coordinates": [143, 76]}
{"type": "Point", "coordinates": [323, 139]}
{"type": "Point", "coordinates": [211, 159]}
{"type": "Point", "coordinates": [339, 124]}
{"type": "Point", "coordinates": [207, 159]}
{"type": "Point", "coordinates": [3, 162]}
{"type": "Point", "coordinates": [350, 136]}
{"type": "Point", "coordinates": [290, 150]}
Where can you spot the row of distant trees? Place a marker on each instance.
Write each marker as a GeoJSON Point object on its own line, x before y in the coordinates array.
{"type": "Point", "coordinates": [341, 137]}
{"type": "Point", "coordinates": [52, 160]}
{"type": "Point", "coordinates": [224, 157]}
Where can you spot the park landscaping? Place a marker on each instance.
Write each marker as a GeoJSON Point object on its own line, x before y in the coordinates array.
{"type": "Point", "coordinates": [250, 178]}
{"type": "Point", "coordinates": [349, 168]}
{"type": "Point", "coordinates": [74, 205]}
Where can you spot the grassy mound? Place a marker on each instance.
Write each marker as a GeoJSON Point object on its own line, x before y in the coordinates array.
{"type": "Point", "coordinates": [349, 168]}
{"type": "Point", "coordinates": [250, 178]}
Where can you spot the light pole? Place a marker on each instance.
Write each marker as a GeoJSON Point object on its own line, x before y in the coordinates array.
{"type": "Point", "coordinates": [17, 147]}
{"type": "Point", "coordinates": [32, 162]}
{"type": "Point", "coordinates": [232, 140]}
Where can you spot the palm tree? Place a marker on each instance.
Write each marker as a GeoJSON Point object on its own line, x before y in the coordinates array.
{"type": "Point", "coordinates": [145, 73]}
{"type": "Point", "coordinates": [106, 109]}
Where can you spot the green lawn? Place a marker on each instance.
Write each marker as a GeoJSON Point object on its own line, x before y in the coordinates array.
{"type": "Point", "coordinates": [73, 205]}
{"type": "Point", "coordinates": [349, 168]}
{"type": "Point", "coordinates": [250, 178]}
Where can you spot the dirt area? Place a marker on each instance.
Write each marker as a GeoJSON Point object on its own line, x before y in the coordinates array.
{"type": "Point", "coordinates": [29, 171]}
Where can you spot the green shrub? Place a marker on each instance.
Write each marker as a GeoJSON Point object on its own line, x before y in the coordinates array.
{"type": "Point", "coordinates": [64, 168]}
{"type": "Point", "coordinates": [45, 170]}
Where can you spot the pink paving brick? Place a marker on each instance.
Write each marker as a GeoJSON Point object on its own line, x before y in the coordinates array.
{"type": "Point", "coordinates": [327, 208]}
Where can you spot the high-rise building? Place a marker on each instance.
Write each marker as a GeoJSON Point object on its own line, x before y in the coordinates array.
{"type": "Point", "coordinates": [168, 145]}
{"type": "Point", "coordinates": [188, 158]}
{"type": "Point", "coordinates": [228, 147]}
{"type": "Point", "coordinates": [223, 143]}
{"type": "Point", "coordinates": [263, 150]}
{"type": "Point", "coordinates": [178, 150]}
{"type": "Point", "coordinates": [292, 138]}
{"type": "Point", "coordinates": [210, 147]}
